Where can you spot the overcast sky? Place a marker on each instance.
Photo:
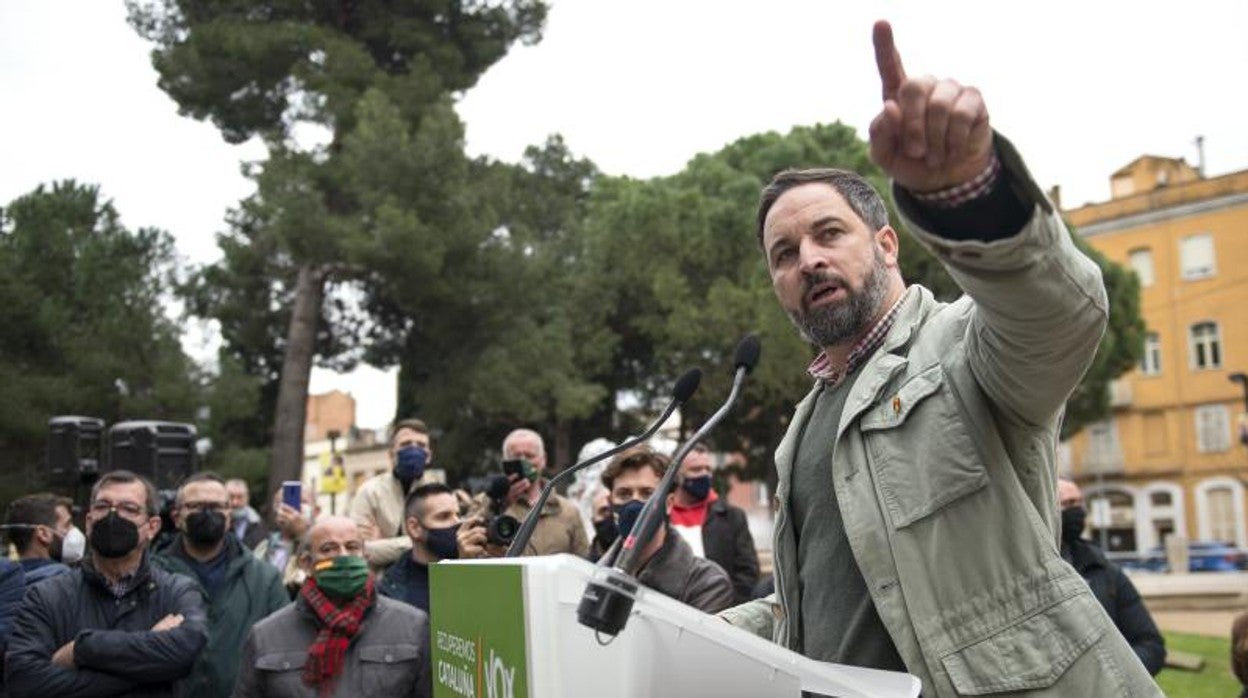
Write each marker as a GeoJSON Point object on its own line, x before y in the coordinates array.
{"type": "Point", "coordinates": [640, 86]}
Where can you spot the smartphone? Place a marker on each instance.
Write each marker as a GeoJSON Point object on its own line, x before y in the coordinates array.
{"type": "Point", "coordinates": [519, 468]}
{"type": "Point", "coordinates": [292, 494]}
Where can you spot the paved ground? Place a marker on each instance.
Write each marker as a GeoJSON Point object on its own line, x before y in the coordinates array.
{"type": "Point", "coordinates": [1212, 623]}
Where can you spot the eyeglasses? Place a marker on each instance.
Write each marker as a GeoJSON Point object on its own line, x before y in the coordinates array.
{"type": "Point", "coordinates": [205, 506]}
{"type": "Point", "coordinates": [101, 507]}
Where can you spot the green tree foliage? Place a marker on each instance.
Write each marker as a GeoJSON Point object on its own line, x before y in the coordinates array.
{"type": "Point", "coordinates": [1121, 348]}
{"type": "Point", "coordinates": [678, 267]}
{"type": "Point", "coordinates": [526, 344]}
{"type": "Point", "coordinates": [379, 215]}
{"type": "Point", "coordinates": [82, 323]}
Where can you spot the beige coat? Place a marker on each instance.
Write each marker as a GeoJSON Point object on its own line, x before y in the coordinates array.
{"type": "Point", "coordinates": [559, 527]}
{"type": "Point", "coordinates": [380, 499]}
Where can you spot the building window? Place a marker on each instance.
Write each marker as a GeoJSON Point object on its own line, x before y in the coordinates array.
{"type": "Point", "coordinates": [1206, 346]}
{"type": "Point", "coordinates": [1156, 442]}
{"type": "Point", "coordinates": [1141, 261]}
{"type": "Point", "coordinates": [1213, 429]}
{"type": "Point", "coordinates": [1220, 510]}
{"type": "Point", "coordinates": [1221, 502]}
{"type": "Point", "coordinates": [1104, 452]}
{"type": "Point", "coordinates": [1196, 256]}
{"type": "Point", "coordinates": [1150, 363]}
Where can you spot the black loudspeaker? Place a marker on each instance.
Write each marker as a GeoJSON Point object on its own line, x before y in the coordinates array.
{"type": "Point", "coordinates": [163, 452]}
{"type": "Point", "coordinates": [74, 453]}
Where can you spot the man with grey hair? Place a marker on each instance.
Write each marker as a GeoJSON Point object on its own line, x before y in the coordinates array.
{"type": "Point", "coordinates": [916, 524]}
{"type": "Point", "coordinates": [559, 525]}
{"type": "Point", "coordinates": [245, 522]}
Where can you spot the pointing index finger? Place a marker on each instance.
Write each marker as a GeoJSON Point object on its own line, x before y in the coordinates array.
{"type": "Point", "coordinates": [887, 60]}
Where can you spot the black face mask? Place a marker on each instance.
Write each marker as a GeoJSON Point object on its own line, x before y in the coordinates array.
{"type": "Point", "coordinates": [205, 528]}
{"type": "Point", "coordinates": [606, 531]}
{"type": "Point", "coordinates": [1072, 523]}
{"type": "Point", "coordinates": [57, 549]}
{"type": "Point", "coordinates": [113, 536]}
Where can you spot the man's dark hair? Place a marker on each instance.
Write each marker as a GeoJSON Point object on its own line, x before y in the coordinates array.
{"type": "Point", "coordinates": [634, 459]}
{"type": "Point", "coordinates": [125, 477]}
{"type": "Point", "coordinates": [411, 506]}
{"type": "Point", "coordinates": [201, 476]}
{"type": "Point", "coordinates": [416, 425]}
{"type": "Point", "coordinates": [25, 514]}
{"type": "Point", "coordinates": [862, 198]}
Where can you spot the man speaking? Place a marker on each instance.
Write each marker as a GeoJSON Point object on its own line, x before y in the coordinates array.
{"type": "Point", "coordinates": [917, 528]}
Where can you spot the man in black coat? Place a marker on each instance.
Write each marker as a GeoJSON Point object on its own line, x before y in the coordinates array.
{"type": "Point", "coordinates": [715, 529]}
{"type": "Point", "coordinates": [116, 626]}
{"type": "Point", "coordinates": [1108, 582]}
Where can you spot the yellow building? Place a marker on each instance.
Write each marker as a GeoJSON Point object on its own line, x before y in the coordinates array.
{"type": "Point", "coordinates": [1171, 459]}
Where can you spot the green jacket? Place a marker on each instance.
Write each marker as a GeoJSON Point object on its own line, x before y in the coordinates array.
{"type": "Point", "coordinates": [251, 591]}
{"type": "Point", "coordinates": [945, 474]}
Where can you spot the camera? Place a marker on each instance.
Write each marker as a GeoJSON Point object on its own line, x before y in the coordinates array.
{"type": "Point", "coordinates": [500, 528]}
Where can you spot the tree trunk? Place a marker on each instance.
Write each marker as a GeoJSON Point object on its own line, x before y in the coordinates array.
{"type": "Point", "coordinates": [286, 459]}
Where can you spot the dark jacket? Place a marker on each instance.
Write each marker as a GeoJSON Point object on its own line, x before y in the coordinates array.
{"type": "Point", "coordinates": [39, 569]}
{"type": "Point", "coordinates": [1121, 601]}
{"type": "Point", "coordinates": [115, 649]}
{"type": "Point", "coordinates": [12, 586]}
{"type": "Point", "coordinates": [388, 657]}
{"type": "Point", "coordinates": [252, 590]}
{"type": "Point", "coordinates": [254, 532]}
{"type": "Point", "coordinates": [677, 572]}
{"type": "Point", "coordinates": [726, 541]}
{"type": "Point", "coordinates": [408, 581]}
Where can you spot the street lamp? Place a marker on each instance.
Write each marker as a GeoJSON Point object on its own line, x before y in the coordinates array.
{"type": "Point", "coordinates": [1242, 379]}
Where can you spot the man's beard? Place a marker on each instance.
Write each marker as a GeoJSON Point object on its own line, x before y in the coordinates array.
{"type": "Point", "coordinates": [838, 323]}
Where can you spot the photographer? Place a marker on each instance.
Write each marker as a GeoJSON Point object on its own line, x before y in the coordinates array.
{"type": "Point", "coordinates": [559, 527]}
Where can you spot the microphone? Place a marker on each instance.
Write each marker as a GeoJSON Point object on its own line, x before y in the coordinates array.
{"type": "Point", "coordinates": [606, 609]}
{"type": "Point", "coordinates": [684, 389]}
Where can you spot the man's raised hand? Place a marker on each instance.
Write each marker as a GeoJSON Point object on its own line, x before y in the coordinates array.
{"type": "Point", "coordinates": [930, 134]}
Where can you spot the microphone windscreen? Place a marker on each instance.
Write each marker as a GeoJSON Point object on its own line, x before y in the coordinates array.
{"type": "Point", "coordinates": [497, 489]}
{"type": "Point", "coordinates": [747, 353]}
{"type": "Point", "coordinates": [687, 385]}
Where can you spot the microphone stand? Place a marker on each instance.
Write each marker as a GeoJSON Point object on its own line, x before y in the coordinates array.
{"type": "Point", "coordinates": [685, 387]}
{"type": "Point", "coordinates": [608, 600]}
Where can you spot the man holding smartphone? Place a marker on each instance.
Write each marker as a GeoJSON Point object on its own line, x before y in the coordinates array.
{"type": "Point", "coordinates": [559, 527]}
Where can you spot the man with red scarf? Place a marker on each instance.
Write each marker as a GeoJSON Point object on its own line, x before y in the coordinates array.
{"type": "Point", "coordinates": [339, 638]}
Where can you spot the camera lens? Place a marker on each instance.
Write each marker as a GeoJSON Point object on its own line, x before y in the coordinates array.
{"type": "Point", "coordinates": [502, 529]}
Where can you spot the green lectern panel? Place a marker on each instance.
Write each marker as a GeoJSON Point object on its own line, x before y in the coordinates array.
{"type": "Point", "coordinates": [478, 643]}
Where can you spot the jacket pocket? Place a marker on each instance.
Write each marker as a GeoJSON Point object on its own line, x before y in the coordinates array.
{"type": "Point", "coordinates": [281, 673]}
{"type": "Point", "coordinates": [388, 669]}
{"type": "Point", "coordinates": [282, 661]}
{"type": "Point", "coordinates": [921, 451]}
{"type": "Point", "coordinates": [1031, 654]}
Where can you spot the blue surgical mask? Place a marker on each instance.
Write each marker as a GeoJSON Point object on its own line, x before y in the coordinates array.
{"type": "Point", "coordinates": [442, 543]}
{"type": "Point", "coordinates": [409, 463]}
{"type": "Point", "coordinates": [626, 515]}
{"type": "Point", "coordinates": [697, 487]}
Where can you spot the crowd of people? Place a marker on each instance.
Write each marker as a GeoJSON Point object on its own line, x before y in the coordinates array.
{"type": "Point", "coordinates": [296, 603]}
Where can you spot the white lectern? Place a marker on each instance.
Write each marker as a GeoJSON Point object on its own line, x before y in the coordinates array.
{"type": "Point", "coordinates": [507, 628]}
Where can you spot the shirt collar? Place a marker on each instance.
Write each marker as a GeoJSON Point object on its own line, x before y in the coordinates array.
{"type": "Point", "coordinates": [822, 367]}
